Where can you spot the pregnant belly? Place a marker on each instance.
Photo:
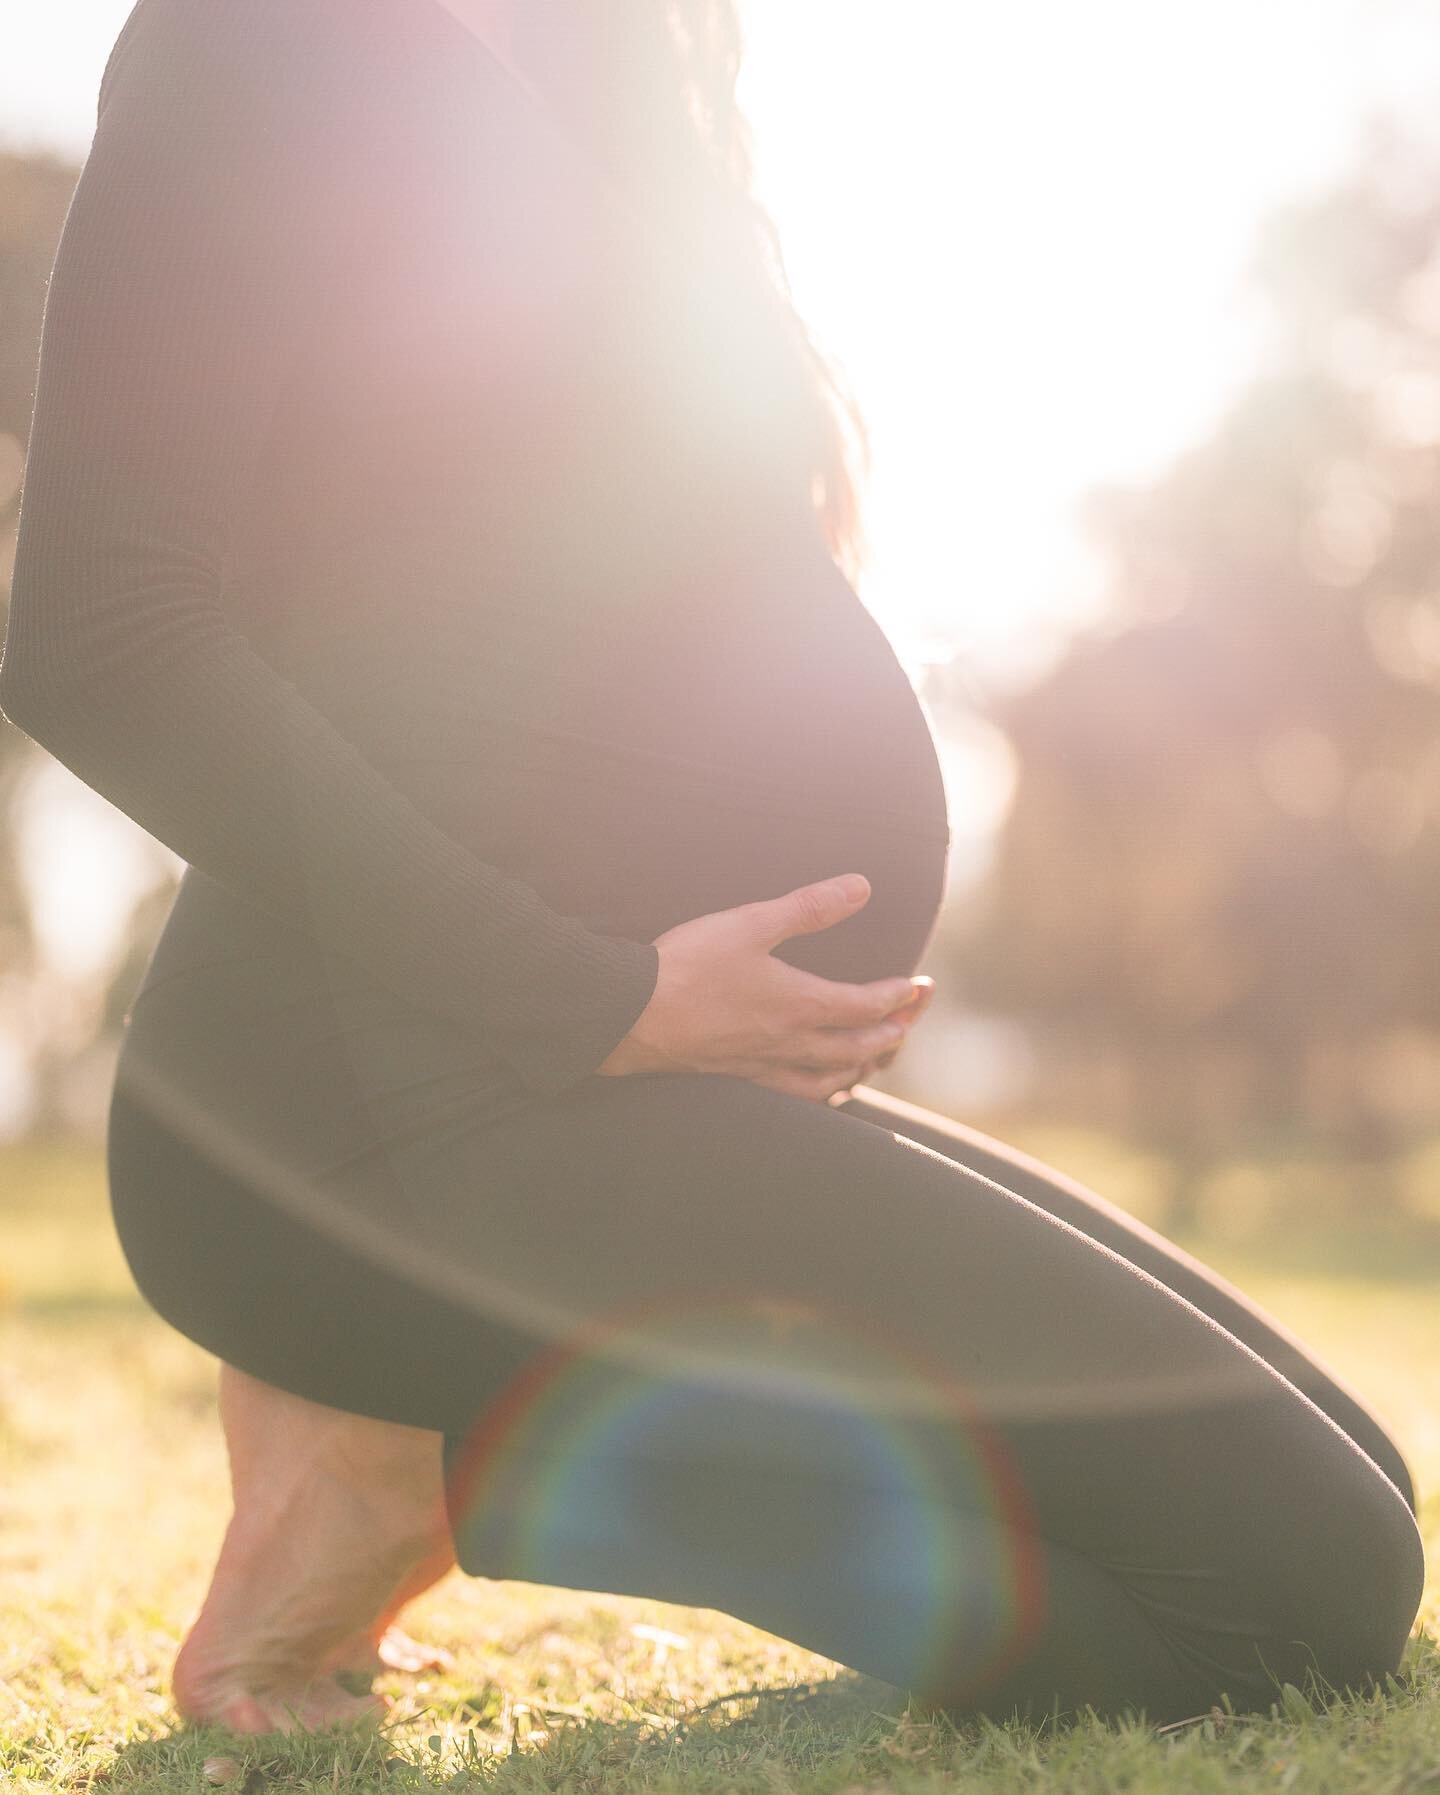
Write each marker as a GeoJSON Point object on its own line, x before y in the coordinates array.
{"type": "Point", "coordinates": [641, 760]}
{"type": "Point", "coordinates": [634, 848]}
{"type": "Point", "coordinates": [642, 755]}
{"type": "Point", "coordinates": [756, 735]}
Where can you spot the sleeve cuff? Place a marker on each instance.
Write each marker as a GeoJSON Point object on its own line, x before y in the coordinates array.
{"type": "Point", "coordinates": [621, 976]}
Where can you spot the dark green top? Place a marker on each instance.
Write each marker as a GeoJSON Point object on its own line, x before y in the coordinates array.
{"type": "Point", "coordinates": [378, 441]}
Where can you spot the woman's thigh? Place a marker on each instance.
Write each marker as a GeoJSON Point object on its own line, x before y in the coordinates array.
{"type": "Point", "coordinates": [1188, 1276]}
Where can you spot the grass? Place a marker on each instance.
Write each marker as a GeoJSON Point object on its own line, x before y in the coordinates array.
{"type": "Point", "coordinates": [112, 1500]}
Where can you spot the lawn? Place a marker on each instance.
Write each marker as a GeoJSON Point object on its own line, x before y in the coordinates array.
{"type": "Point", "coordinates": [113, 1497]}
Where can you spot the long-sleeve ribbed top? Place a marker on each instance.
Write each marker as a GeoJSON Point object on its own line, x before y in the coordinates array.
{"type": "Point", "coordinates": [214, 222]}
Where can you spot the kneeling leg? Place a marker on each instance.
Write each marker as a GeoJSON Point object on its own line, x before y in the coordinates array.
{"type": "Point", "coordinates": [833, 1382]}
{"type": "Point", "coordinates": [1182, 1272]}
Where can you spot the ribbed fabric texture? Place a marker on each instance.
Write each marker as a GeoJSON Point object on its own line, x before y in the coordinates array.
{"type": "Point", "coordinates": [211, 223]}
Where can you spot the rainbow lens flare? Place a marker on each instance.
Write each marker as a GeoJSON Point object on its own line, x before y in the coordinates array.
{"type": "Point", "coordinates": [752, 1454]}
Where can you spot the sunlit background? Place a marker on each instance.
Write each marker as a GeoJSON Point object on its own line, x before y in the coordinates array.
{"type": "Point", "coordinates": [1026, 232]}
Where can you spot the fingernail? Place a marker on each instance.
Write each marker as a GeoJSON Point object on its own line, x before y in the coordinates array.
{"type": "Point", "coordinates": [852, 887]}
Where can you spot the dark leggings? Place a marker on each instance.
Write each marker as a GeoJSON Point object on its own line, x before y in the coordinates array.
{"type": "Point", "coordinates": [860, 1375]}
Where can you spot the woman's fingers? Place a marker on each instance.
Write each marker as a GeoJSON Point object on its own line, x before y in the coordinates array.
{"type": "Point", "coordinates": [830, 1003]}
{"type": "Point", "coordinates": [914, 1008]}
{"type": "Point", "coordinates": [907, 1016]}
{"type": "Point", "coordinates": [804, 911]}
{"type": "Point", "coordinates": [836, 1060]}
{"type": "Point", "coordinates": [795, 1081]}
{"type": "Point", "coordinates": [863, 1047]}
{"type": "Point", "coordinates": [837, 1049]}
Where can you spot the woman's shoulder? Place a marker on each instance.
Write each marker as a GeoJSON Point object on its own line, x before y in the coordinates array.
{"type": "Point", "coordinates": [258, 48]}
{"type": "Point", "coordinates": [278, 83]}
{"type": "Point", "coordinates": [289, 42]}
{"type": "Point", "coordinates": [324, 108]}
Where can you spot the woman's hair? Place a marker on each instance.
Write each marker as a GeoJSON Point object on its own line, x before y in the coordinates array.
{"type": "Point", "coordinates": [667, 114]}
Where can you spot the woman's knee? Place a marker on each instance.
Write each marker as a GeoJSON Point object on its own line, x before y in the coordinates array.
{"type": "Point", "coordinates": [1349, 1579]}
{"type": "Point", "coordinates": [1378, 1590]}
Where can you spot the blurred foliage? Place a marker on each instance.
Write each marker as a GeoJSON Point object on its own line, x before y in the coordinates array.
{"type": "Point", "coordinates": [34, 192]}
{"type": "Point", "coordinates": [65, 1026]}
{"type": "Point", "coordinates": [1213, 898]}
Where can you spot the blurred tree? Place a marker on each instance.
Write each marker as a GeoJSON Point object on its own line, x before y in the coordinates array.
{"type": "Point", "coordinates": [1221, 868]}
{"type": "Point", "coordinates": [52, 1027]}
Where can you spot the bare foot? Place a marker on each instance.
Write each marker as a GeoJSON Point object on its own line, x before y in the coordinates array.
{"type": "Point", "coordinates": [383, 1646]}
{"type": "Point", "coordinates": [336, 1515]}
{"type": "Point", "coordinates": [311, 1706]}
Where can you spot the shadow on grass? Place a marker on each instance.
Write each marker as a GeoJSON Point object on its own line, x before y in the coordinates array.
{"type": "Point", "coordinates": [845, 1721]}
{"type": "Point", "coordinates": [844, 1731]}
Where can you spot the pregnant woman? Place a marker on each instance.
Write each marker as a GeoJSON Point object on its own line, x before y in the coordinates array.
{"type": "Point", "coordinates": [433, 531]}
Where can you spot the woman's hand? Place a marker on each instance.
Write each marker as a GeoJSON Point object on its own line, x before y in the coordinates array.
{"type": "Point", "coordinates": [724, 1003]}
{"type": "Point", "coordinates": [908, 1013]}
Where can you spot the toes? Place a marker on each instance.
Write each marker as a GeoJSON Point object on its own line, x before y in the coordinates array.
{"type": "Point", "coordinates": [398, 1651]}
{"type": "Point", "coordinates": [319, 1705]}
{"type": "Point", "coordinates": [240, 1713]}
